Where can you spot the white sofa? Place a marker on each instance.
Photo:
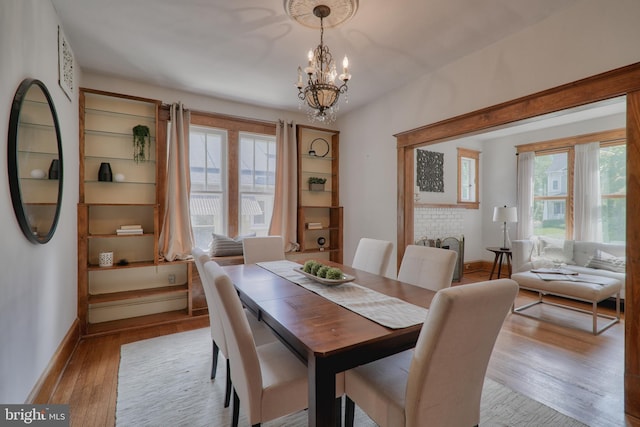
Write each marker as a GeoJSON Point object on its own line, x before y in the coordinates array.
{"type": "Point", "coordinates": [596, 259]}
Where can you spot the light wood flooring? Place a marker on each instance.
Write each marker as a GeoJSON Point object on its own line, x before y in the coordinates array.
{"type": "Point", "coordinates": [570, 370]}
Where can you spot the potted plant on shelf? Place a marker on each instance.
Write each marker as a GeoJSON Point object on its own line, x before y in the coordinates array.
{"type": "Point", "coordinates": [141, 140]}
{"type": "Point", "coordinates": [316, 183]}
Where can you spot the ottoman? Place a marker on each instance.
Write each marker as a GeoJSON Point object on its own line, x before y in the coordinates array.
{"type": "Point", "coordinates": [580, 287]}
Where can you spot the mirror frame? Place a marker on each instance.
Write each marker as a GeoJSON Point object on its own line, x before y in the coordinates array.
{"type": "Point", "coordinates": [12, 160]}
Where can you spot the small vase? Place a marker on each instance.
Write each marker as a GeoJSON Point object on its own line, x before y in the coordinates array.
{"type": "Point", "coordinates": [104, 173]}
{"type": "Point", "coordinates": [54, 169]}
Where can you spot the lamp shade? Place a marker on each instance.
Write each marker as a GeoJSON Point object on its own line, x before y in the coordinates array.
{"type": "Point", "coordinates": [505, 214]}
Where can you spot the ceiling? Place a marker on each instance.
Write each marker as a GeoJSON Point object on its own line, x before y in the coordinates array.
{"type": "Point", "coordinates": [249, 50]}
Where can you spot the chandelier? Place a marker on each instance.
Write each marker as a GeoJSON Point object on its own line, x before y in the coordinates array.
{"type": "Point", "coordinates": [321, 92]}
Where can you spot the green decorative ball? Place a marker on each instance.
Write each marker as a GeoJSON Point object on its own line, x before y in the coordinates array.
{"type": "Point", "coordinates": [334, 274]}
{"type": "Point", "coordinates": [322, 271]}
{"type": "Point", "coordinates": [308, 265]}
{"type": "Point", "coordinates": [315, 267]}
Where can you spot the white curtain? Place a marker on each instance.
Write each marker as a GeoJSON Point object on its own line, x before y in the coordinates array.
{"type": "Point", "coordinates": [587, 221]}
{"type": "Point", "coordinates": [526, 163]}
{"type": "Point", "coordinates": [285, 204]}
{"type": "Point", "coordinates": [176, 237]}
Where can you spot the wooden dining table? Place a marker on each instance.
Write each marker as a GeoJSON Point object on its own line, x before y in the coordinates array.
{"type": "Point", "coordinates": [327, 337]}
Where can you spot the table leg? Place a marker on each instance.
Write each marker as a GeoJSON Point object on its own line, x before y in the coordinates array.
{"type": "Point", "coordinates": [495, 261]}
{"type": "Point", "coordinates": [509, 263]}
{"type": "Point", "coordinates": [322, 393]}
{"type": "Point", "coordinates": [500, 255]}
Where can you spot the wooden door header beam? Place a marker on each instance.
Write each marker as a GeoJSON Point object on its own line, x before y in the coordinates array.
{"type": "Point", "coordinates": [591, 89]}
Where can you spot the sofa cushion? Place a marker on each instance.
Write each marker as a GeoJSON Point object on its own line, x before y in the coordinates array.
{"type": "Point", "coordinates": [552, 251]}
{"type": "Point", "coordinates": [584, 251]}
{"type": "Point", "coordinates": [605, 261]}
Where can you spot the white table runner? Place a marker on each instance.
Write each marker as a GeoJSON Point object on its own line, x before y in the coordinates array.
{"type": "Point", "coordinates": [388, 311]}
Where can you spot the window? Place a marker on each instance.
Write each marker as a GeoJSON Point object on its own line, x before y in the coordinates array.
{"type": "Point", "coordinates": [550, 196]}
{"type": "Point", "coordinates": [613, 192]}
{"type": "Point", "coordinates": [208, 166]}
{"type": "Point", "coordinates": [257, 182]}
{"type": "Point", "coordinates": [553, 185]}
{"type": "Point", "coordinates": [232, 166]}
{"type": "Point", "coordinates": [468, 172]}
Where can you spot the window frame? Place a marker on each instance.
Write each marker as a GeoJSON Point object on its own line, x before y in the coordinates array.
{"type": "Point", "coordinates": [234, 127]}
{"type": "Point", "coordinates": [606, 138]}
{"type": "Point", "coordinates": [474, 156]}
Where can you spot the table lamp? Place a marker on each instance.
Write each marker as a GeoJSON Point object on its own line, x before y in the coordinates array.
{"type": "Point", "coordinates": [504, 215]}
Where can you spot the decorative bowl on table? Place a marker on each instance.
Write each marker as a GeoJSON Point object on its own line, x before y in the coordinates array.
{"type": "Point", "coordinates": [331, 282]}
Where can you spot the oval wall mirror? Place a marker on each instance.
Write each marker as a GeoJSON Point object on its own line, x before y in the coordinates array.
{"type": "Point", "coordinates": [34, 157]}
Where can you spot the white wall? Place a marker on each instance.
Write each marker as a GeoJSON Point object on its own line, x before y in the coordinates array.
{"type": "Point", "coordinates": [37, 282]}
{"type": "Point", "coordinates": [191, 101]}
{"type": "Point", "coordinates": [588, 38]}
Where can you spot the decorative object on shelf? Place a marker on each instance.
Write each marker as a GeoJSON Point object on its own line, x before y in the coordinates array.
{"type": "Point", "coordinates": [430, 171]}
{"type": "Point", "coordinates": [37, 174]}
{"type": "Point", "coordinates": [314, 226]}
{"type": "Point", "coordinates": [321, 241]}
{"type": "Point", "coordinates": [505, 215]}
{"type": "Point", "coordinates": [123, 262]}
{"type": "Point", "coordinates": [54, 169]}
{"type": "Point", "coordinates": [323, 146]}
{"type": "Point", "coordinates": [316, 183]}
{"type": "Point", "coordinates": [321, 94]}
{"type": "Point", "coordinates": [104, 173]}
{"type": "Point", "coordinates": [105, 259]}
{"type": "Point", "coordinates": [129, 230]}
{"type": "Point", "coordinates": [118, 177]}
{"type": "Point", "coordinates": [141, 140]}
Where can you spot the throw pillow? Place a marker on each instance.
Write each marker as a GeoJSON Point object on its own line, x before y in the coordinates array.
{"type": "Point", "coordinates": [226, 246]}
{"type": "Point", "coordinates": [555, 251]}
{"type": "Point", "coordinates": [605, 261]}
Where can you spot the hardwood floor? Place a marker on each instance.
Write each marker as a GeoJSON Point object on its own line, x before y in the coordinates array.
{"type": "Point", "coordinates": [570, 370]}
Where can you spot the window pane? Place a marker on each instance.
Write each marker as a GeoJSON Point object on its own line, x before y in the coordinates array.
{"type": "Point", "coordinates": [549, 218]}
{"type": "Point", "coordinates": [550, 180]}
{"type": "Point", "coordinates": [467, 179]}
{"type": "Point", "coordinates": [613, 170]}
{"type": "Point", "coordinates": [550, 177]}
{"type": "Point", "coordinates": [257, 182]}
{"type": "Point", "coordinates": [614, 220]}
{"type": "Point", "coordinates": [207, 162]}
{"type": "Point", "coordinates": [613, 186]}
{"type": "Point", "coordinates": [207, 216]}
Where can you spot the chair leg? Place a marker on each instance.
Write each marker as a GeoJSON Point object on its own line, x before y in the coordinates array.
{"type": "Point", "coordinates": [227, 392]}
{"type": "Point", "coordinates": [214, 363]}
{"type": "Point", "coordinates": [236, 409]}
{"type": "Point", "coordinates": [349, 412]}
{"type": "Point", "coordinates": [338, 411]}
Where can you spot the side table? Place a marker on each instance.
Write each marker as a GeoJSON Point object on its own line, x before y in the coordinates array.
{"type": "Point", "coordinates": [499, 255]}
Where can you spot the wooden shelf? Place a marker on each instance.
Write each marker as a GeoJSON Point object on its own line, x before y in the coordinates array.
{"type": "Point", "coordinates": [138, 322]}
{"type": "Point", "coordinates": [106, 124]}
{"type": "Point", "coordinates": [137, 264]}
{"type": "Point", "coordinates": [319, 206]}
{"type": "Point", "coordinates": [138, 293]}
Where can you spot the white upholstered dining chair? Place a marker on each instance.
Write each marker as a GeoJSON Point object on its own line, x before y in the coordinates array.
{"type": "Point", "coordinates": [427, 267]}
{"type": "Point", "coordinates": [263, 248]}
{"type": "Point", "coordinates": [268, 379]}
{"type": "Point", "coordinates": [439, 383]}
{"type": "Point", "coordinates": [372, 255]}
{"type": "Point", "coordinates": [262, 334]}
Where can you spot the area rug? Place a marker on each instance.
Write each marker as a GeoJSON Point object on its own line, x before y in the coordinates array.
{"type": "Point", "coordinates": [164, 381]}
